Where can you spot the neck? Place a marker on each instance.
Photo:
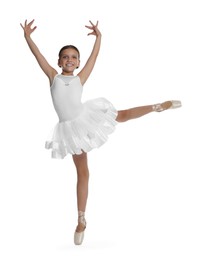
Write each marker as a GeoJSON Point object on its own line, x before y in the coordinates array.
{"type": "Point", "coordinates": [67, 73]}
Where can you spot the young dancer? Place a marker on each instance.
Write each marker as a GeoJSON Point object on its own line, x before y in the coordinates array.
{"type": "Point", "coordinates": [82, 126]}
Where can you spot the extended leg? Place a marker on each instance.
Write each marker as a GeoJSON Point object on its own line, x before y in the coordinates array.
{"type": "Point", "coordinates": [135, 112]}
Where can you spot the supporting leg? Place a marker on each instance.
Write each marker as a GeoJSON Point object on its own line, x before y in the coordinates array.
{"type": "Point", "coordinates": [82, 194]}
{"type": "Point", "coordinates": [82, 180]}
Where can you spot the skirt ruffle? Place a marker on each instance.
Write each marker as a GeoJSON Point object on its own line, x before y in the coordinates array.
{"type": "Point", "coordinates": [87, 131]}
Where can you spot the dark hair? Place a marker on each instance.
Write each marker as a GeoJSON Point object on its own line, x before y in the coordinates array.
{"type": "Point", "coordinates": [69, 47]}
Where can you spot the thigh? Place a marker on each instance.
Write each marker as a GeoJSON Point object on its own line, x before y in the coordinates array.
{"type": "Point", "coordinates": [80, 160]}
{"type": "Point", "coordinates": [122, 115]}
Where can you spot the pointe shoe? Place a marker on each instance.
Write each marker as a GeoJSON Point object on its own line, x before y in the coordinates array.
{"type": "Point", "coordinates": [78, 237]}
{"type": "Point", "coordinates": [79, 232]}
{"type": "Point", "coordinates": [160, 108]}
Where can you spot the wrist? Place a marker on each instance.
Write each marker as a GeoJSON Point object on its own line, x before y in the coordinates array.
{"type": "Point", "coordinates": [27, 36]}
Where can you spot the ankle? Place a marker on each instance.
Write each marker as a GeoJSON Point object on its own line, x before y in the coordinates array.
{"type": "Point", "coordinates": [81, 217]}
{"type": "Point", "coordinates": [161, 106]}
{"type": "Point", "coordinates": [157, 108]}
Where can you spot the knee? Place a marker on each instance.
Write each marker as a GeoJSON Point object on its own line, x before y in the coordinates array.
{"type": "Point", "coordinates": [83, 174]}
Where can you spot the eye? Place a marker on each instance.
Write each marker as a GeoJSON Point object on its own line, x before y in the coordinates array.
{"type": "Point", "coordinates": [65, 57]}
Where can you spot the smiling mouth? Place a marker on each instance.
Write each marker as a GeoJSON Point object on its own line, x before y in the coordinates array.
{"type": "Point", "coordinates": [69, 65]}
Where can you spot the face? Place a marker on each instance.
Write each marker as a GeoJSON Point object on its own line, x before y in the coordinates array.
{"type": "Point", "coordinates": [69, 61]}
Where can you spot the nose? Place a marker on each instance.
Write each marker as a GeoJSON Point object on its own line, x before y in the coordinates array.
{"type": "Point", "coordinates": [69, 59]}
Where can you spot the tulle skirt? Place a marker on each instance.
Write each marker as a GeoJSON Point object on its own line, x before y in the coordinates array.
{"type": "Point", "coordinates": [87, 131]}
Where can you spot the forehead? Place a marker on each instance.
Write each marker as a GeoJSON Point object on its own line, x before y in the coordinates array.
{"type": "Point", "coordinates": [69, 51]}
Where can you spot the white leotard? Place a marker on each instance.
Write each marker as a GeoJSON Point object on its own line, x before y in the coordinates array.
{"type": "Point", "coordinates": [66, 96]}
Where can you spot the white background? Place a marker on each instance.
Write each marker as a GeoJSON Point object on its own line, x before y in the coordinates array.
{"type": "Point", "coordinates": [144, 199]}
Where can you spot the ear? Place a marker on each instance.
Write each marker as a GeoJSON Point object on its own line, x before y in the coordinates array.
{"type": "Point", "coordinates": [59, 63]}
{"type": "Point", "coordinates": [78, 65]}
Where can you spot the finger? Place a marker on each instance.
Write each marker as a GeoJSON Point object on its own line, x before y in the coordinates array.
{"type": "Point", "coordinates": [22, 26]}
{"type": "Point", "coordinates": [34, 28]}
{"type": "Point", "coordinates": [25, 24]}
{"type": "Point", "coordinates": [31, 22]}
{"type": "Point", "coordinates": [91, 23]}
{"type": "Point", "coordinates": [92, 33]}
{"type": "Point", "coordinates": [97, 24]}
{"type": "Point", "coordinates": [89, 27]}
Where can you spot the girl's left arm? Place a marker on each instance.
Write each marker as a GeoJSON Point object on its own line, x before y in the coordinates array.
{"type": "Point", "coordinates": [88, 67]}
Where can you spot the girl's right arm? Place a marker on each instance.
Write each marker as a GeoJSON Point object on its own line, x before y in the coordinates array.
{"type": "Point", "coordinates": [47, 69]}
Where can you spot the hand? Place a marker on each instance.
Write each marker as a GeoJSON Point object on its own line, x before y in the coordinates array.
{"type": "Point", "coordinates": [27, 28]}
{"type": "Point", "coordinates": [95, 29]}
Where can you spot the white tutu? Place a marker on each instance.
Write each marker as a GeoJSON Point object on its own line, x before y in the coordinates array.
{"type": "Point", "coordinates": [90, 129]}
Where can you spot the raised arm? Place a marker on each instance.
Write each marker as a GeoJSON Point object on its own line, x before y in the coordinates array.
{"type": "Point", "coordinates": [47, 69]}
{"type": "Point", "coordinates": [88, 67]}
